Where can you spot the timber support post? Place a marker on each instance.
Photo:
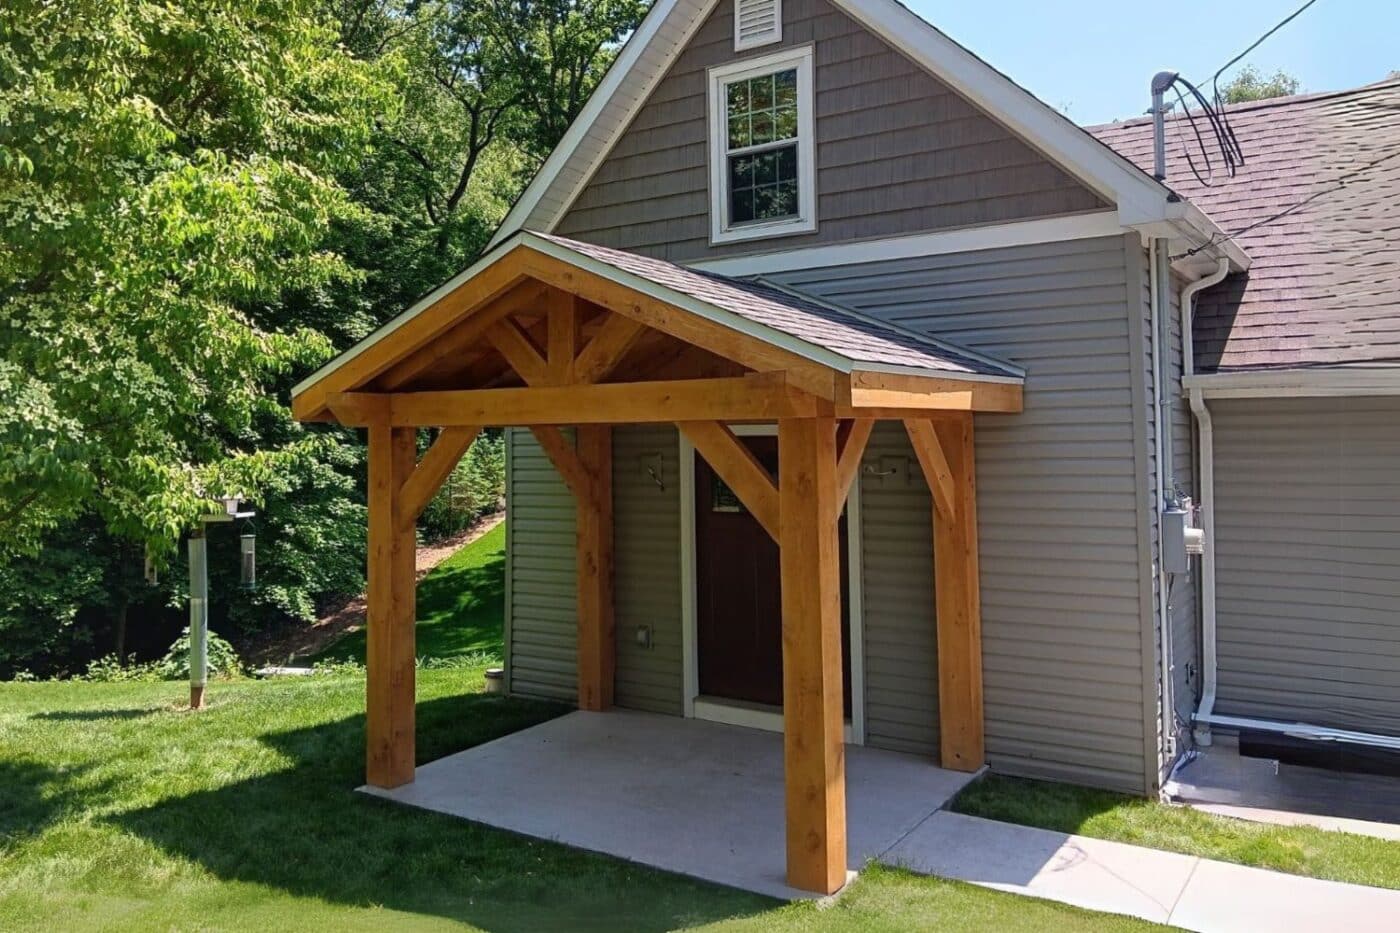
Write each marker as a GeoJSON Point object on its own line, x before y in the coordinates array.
{"type": "Point", "coordinates": [814, 763]}
{"type": "Point", "coordinates": [389, 653]}
{"type": "Point", "coordinates": [597, 636]}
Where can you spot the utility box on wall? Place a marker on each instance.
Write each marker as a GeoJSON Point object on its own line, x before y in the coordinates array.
{"type": "Point", "coordinates": [1175, 525]}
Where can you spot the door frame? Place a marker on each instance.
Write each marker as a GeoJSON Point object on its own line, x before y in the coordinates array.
{"type": "Point", "coordinates": [734, 712]}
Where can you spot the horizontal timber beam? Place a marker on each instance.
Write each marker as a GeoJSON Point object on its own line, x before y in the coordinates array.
{"type": "Point", "coordinates": [893, 392]}
{"type": "Point", "coordinates": [757, 397]}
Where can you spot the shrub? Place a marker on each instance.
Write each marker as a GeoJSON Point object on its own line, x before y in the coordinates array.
{"type": "Point", "coordinates": [475, 487]}
{"type": "Point", "coordinates": [223, 660]}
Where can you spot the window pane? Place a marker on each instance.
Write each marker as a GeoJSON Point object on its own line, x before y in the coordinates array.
{"type": "Point", "coordinates": [738, 94]}
{"type": "Point", "coordinates": [785, 123]}
{"type": "Point", "coordinates": [785, 92]}
{"type": "Point", "coordinates": [766, 168]}
{"type": "Point", "coordinates": [761, 92]}
{"type": "Point", "coordinates": [786, 163]}
{"type": "Point", "coordinates": [785, 200]}
{"type": "Point", "coordinates": [739, 131]}
{"type": "Point", "coordinates": [762, 123]}
{"type": "Point", "coordinates": [741, 205]}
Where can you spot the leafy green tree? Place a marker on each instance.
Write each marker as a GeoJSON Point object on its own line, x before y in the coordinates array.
{"type": "Point", "coordinates": [1251, 84]}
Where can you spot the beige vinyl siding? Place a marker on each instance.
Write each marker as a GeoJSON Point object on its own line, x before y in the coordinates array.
{"type": "Point", "coordinates": [901, 641]}
{"type": "Point", "coordinates": [646, 551]}
{"type": "Point", "coordinates": [1058, 491]}
{"type": "Point", "coordinates": [897, 151]}
{"type": "Point", "coordinates": [647, 571]}
{"type": "Point", "coordinates": [1308, 560]}
{"type": "Point", "coordinates": [542, 621]}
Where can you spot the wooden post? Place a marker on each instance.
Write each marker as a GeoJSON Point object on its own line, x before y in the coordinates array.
{"type": "Point", "coordinates": [813, 754]}
{"type": "Point", "coordinates": [597, 637]}
{"type": "Point", "coordinates": [389, 655]}
{"type": "Point", "coordinates": [959, 606]}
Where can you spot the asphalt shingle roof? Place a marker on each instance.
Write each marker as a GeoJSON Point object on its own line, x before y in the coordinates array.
{"type": "Point", "coordinates": [1324, 286]}
{"type": "Point", "coordinates": [841, 330]}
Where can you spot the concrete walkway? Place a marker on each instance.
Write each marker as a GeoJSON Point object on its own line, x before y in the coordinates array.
{"type": "Point", "coordinates": [1164, 887]}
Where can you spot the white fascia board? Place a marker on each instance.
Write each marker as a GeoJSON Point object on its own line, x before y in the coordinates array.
{"type": "Point", "coordinates": [618, 73]}
{"type": "Point", "coordinates": [962, 240]}
{"type": "Point", "coordinates": [1298, 383]}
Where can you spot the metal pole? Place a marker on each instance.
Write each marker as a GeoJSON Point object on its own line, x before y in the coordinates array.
{"type": "Point", "coordinates": [199, 618]}
{"type": "Point", "coordinates": [1161, 83]}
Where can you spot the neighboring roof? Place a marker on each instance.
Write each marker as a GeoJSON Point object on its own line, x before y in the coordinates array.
{"type": "Point", "coordinates": [1317, 207]}
{"type": "Point", "coordinates": [862, 340]}
{"type": "Point", "coordinates": [668, 27]}
{"type": "Point", "coordinates": [830, 335]}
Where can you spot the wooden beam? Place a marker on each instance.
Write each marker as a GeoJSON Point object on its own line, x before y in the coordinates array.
{"type": "Point", "coordinates": [901, 392]}
{"type": "Point", "coordinates": [389, 650]}
{"type": "Point", "coordinates": [432, 471]}
{"type": "Point", "coordinates": [461, 339]}
{"type": "Point", "coordinates": [505, 335]}
{"type": "Point", "coordinates": [563, 337]}
{"type": "Point", "coordinates": [934, 461]}
{"type": "Point", "coordinates": [957, 592]}
{"type": "Point", "coordinates": [359, 409]}
{"type": "Point", "coordinates": [565, 459]}
{"type": "Point", "coordinates": [756, 397]}
{"type": "Point", "coordinates": [606, 349]}
{"type": "Point", "coordinates": [738, 467]}
{"type": "Point", "coordinates": [597, 637]}
{"type": "Point", "coordinates": [752, 352]}
{"type": "Point", "coordinates": [851, 440]}
{"type": "Point", "coordinates": [814, 764]}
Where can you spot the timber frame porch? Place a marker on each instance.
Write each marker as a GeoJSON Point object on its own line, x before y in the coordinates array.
{"type": "Point", "coordinates": [548, 334]}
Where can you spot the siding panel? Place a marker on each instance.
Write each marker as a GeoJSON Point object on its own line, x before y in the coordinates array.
{"type": "Point", "coordinates": [1308, 560]}
{"type": "Point", "coordinates": [897, 151]}
{"type": "Point", "coordinates": [1060, 561]}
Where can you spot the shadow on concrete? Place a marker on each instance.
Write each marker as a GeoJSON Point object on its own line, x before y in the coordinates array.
{"type": "Point", "coordinates": [305, 831]}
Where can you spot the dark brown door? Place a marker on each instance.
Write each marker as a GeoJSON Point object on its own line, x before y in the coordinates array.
{"type": "Point", "coordinates": [739, 631]}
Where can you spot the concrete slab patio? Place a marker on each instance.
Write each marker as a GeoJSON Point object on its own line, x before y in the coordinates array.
{"type": "Point", "coordinates": [684, 795]}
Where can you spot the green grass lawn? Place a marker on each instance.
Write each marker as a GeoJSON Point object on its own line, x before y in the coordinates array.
{"type": "Point", "coordinates": [461, 604]}
{"type": "Point", "coordinates": [119, 810]}
{"type": "Point", "coordinates": [1300, 850]}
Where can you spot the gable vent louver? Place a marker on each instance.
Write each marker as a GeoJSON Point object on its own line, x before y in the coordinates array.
{"type": "Point", "coordinates": [757, 22]}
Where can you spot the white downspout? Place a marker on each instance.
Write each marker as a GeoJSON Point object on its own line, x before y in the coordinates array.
{"type": "Point", "coordinates": [1206, 484]}
{"type": "Point", "coordinates": [1157, 299]}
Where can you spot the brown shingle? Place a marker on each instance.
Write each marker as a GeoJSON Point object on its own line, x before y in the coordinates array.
{"type": "Point", "coordinates": [1324, 286]}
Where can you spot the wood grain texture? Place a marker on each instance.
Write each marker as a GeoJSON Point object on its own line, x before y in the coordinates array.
{"type": "Point", "coordinates": [597, 635]}
{"type": "Point", "coordinates": [739, 468]}
{"type": "Point", "coordinates": [957, 589]}
{"type": "Point", "coordinates": [938, 471]}
{"type": "Point", "coordinates": [432, 471]}
{"type": "Point", "coordinates": [513, 344]}
{"type": "Point", "coordinates": [851, 440]}
{"type": "Point", "coordinates": [813, 754]}
{"type": "Point", "coordinates": [389, 652]}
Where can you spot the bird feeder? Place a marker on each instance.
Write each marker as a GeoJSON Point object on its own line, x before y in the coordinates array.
{"type": "Point", "coordinates": [247, 553]}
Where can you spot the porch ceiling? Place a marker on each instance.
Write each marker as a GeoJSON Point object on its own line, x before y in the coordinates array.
{"type": "Point", "coordinates": [690, 345]}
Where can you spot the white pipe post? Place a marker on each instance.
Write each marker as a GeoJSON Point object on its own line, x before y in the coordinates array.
{"type": "Point", "coordinates": [199, 618]}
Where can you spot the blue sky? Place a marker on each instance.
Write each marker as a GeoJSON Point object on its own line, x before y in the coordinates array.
{"type": "Point", "coordinates": [1094, 59]}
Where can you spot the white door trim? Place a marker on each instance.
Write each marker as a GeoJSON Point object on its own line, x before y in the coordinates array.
{"type": "Point", "coordinates": [697, 707]}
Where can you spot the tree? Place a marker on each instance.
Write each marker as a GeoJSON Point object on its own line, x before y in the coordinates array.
{"type": "Point", "coordinates": [1251, 84]}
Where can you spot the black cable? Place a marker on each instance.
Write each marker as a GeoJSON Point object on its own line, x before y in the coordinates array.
{"type": "Point", "coordinates": [1337, 185]}
{"type": "Point", "coordinates": [1200, 141]}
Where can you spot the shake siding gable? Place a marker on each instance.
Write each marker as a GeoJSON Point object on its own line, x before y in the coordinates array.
{"type": "Point", "coordinates": [897, 151]}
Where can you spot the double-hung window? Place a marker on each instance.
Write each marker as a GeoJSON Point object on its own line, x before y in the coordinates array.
{"type": "Point", "coordinates": [761, 147]}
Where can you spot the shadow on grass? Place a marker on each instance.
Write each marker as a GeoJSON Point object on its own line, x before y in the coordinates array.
{"type": "Point", "coordinates": [305, 831]}
{"type": "Point", "coordinates": [34, 796]}
{"type": "Point", "coordinates": [97, 715]}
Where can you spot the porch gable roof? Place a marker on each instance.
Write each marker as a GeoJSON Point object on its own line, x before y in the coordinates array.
{"type": "Point", "coordinates": [831, 336]}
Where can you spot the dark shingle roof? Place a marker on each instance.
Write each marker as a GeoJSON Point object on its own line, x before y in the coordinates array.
{"type": "Point", "coordinates": [841, 330]}
{"type": "Point", "coordinates": [1324, 286]}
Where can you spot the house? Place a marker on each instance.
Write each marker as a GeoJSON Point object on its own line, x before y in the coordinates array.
{"type": "Point", "coordinates": [843, 386]}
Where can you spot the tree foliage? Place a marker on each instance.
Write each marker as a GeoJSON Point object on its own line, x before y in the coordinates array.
{"type": "Point", "coordinates": [203, 200]}
{"type": "Point", "coordinates": [1252, 84]}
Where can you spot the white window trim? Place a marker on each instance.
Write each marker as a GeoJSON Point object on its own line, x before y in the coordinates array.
{"type": "Point", "coordinates": [721, 75]}
{"type": "Point", "coordinates": [767, 38]}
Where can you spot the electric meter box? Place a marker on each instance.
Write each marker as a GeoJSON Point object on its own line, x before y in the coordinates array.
{"type": "Point", "coordinates": [1175, 523]}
